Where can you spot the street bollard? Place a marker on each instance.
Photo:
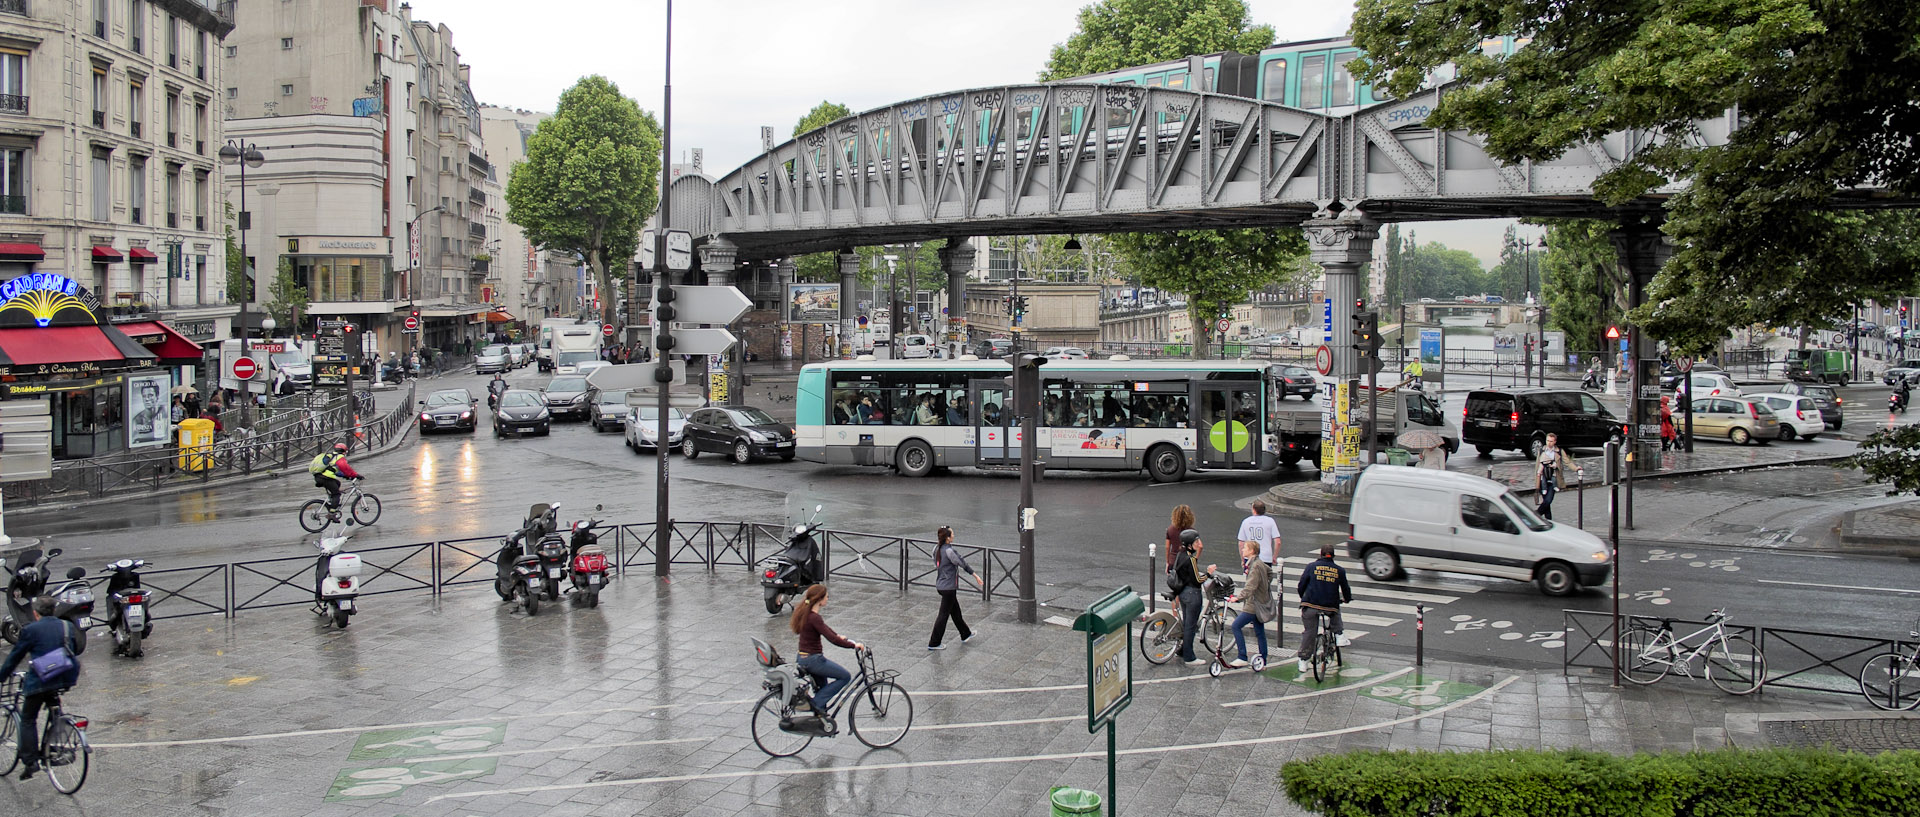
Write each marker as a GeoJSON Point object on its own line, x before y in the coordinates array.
{"type": "Point", "coordinates": [1419, 635]}
{"type": "Point", "coordinates": [1153, 596]}
{"type": "Point", "coordinates": [1580, 503]}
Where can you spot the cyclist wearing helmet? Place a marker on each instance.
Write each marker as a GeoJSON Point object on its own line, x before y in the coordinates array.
{"type": "Point", "coordinates": [328, 469]}
{"type": "Point", "coordinates": [1187, 568]}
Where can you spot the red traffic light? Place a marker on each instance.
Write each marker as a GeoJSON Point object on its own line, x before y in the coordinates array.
{"type": "Point", "coordinates": [1613, 333]}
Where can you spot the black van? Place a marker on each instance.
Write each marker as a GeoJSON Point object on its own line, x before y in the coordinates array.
{"type": "Point", "coordinates": [1522, 418]}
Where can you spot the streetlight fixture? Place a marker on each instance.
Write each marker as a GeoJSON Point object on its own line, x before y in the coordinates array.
{"type": "Point", "coordinates": [244, 154]}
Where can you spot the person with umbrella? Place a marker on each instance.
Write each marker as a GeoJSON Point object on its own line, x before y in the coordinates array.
{"type": "Point", "coordinates": [189, 400]}
{"type": "Point", "coordinates": [1432, 447]}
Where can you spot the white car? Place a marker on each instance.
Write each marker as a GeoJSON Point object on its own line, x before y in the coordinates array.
{"type": "Point", "coordinates": [1799, 415]}
{"type": "Point", "coordinates": [1711, 384]}
{"type": "Point", "coordinates": [643, 426]}
{"type": "Point", "coordinates": [1065, 353]}
{"type": "Point", "coordinates": [492, 359]}
{"type": "Point", "coordinates": [916, 346]}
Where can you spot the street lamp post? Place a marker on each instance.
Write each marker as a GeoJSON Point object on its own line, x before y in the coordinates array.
{"type": "Point", "coordinates": [244, 154]}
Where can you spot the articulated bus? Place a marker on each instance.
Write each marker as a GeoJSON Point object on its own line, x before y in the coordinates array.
{"type": "Point", "coordinates": [1167, 417]}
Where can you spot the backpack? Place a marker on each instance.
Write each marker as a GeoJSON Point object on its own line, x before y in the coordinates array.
{"type": "Point", "coordinates": [1176, 579]}
{"type": "Point", "coordinates": [319, 465]}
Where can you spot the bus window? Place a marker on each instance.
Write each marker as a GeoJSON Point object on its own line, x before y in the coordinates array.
{"type": "Point", "coordinates": [1343, 85]}
{"type": "Point", "coordinates": [1313, 81]}
{"type": "Point", "coordinates": [1273, 82]}
{"type": "Point", "coordinates": [858, 402]}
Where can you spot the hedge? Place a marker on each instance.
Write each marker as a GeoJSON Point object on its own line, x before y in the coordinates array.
{"type": "Point", "coordinates": [1575, 783]}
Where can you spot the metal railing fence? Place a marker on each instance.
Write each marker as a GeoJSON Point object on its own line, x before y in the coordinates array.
{"type": "Point", "coordinates": [1796, 659]}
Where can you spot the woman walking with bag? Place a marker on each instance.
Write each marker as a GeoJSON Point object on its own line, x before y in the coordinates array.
{"type": "Point", "coordinates": [1551, 470]}
{"type": "Point", "coordinates": [947, 565]}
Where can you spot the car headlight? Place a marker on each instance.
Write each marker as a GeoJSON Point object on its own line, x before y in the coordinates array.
{"type": "Point", "coordinates": [647, 431]}
{"type": "Point", "coordinates": [541, 415]}
{"type": "Point", "coordinates": [580, 398]}
{"type": "Point", "coordinates": [1599, 555]}
{"type": "Point", "coordinates": [466, 415]}
{"type": "Point", "coordinates": [759, 437]}
{"type": "Point", "coordinates": [426, 417]}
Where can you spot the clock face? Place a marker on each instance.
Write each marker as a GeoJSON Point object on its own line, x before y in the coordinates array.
{"type": "Point", "coordinates": [679, 250]}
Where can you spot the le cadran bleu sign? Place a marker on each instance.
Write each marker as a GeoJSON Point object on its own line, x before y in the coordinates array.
{"type": "Point", "coordinates": [47, 299]}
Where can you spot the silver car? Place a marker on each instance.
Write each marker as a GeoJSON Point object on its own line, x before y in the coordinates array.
{"type": "Point", "coordinates": [492, 359]}
{"type": "Point", "coordinates": [643, 428]}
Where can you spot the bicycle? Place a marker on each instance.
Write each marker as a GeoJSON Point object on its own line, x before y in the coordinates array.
{"type": "Point", "coordinates": [1161, 631]}
{"type": "Point", "coordinates": [1891, 680]}
{"type": "Point", "coordinates": [877, 701]}
{"type": "Point", "coordinates": [1732, 662]}
{"type": "Point", "coordinates": [64, 751]}
{"type": "Point", "coordinates": [314, 516]}
{"type": "Point", "coordinates": [1326, 647]}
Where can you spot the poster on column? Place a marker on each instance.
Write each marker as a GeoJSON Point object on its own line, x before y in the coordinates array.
{"type": "Point", "coordinates": [149, 417]}
{"type": "Point", "coordinates": [813, 303]}
{"type": "Point", "coordinates": [716, 380]}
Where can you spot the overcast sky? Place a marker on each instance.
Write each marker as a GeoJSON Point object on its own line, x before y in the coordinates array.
{"type": "Point", "coordinates": [741, 64]}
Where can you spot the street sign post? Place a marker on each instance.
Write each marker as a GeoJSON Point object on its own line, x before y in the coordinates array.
{"type": "Point", "coordinates": [412, 324]}
{"type": "Point", "coordinates": [1108, 624]}
{"type": "Point", "coordinates": [607, 330]}
{"type": "Point", "coordinates": [702, 341]}
{"type": "Point", "coordinates": [716, 305]}
{"type": "Point", "coordinates": [244, 368]}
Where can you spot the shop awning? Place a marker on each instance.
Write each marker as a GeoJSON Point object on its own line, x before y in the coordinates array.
{"type": "Point", "coordinates": [105, 253]}
{"type": "Point", "coordinates": [163, 341]}
{"type": "Point", "coordinates": [22, 252]}
{"type": "Point", "coordinates": [499, 317]}
{"type": "Point", "coordinates": [32, 346]}
{"type": "Point", "coordinates": [142, 254]}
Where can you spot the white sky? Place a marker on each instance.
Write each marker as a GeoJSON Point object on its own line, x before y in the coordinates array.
{"type": "Point", "coordinates": [741, 64]}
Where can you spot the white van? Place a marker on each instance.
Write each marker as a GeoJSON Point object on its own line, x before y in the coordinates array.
{"type": "Point", "coordinates": [1440, 520]}
{"type": "Point", "coordinates": [916, 346]}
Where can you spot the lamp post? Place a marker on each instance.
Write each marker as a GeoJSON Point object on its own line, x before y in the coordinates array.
{"type": "Point", "coordinates": [244, 154]}
{"type": "Point", "coordinates": [413, 271]}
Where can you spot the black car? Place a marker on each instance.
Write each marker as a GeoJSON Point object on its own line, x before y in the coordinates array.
{"type": "Point", "coordinates": [1298, 380]}
{"type": "Point", "coordinates": [607, 409]}
{"type": "Point", "coordinates": [449, 410]}
{"type": "Point", "coordinates": [1832, 408]}
{"type": "Point", "coordinates": [1522, 418]}
{"type": "Point", "coordinates": [739, 432]}
{"type": "Point", "coordinates": [567, 396]}
{"type": "Point", "coordinates": [521, 412]}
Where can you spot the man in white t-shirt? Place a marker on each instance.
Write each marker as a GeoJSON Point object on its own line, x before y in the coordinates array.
{"type": "Point", "coordinates": [1259, 529]}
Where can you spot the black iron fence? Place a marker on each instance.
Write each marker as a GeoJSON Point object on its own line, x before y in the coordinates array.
{"type": "Point", "coordinates": [1796, 659]}
{"type": "Point", "coordinates": [433, 567]}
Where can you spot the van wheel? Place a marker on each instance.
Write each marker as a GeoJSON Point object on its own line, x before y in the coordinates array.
{"type": "Point", "coordinates": [1739, 436]}
{"type": "Point", "coordinates": [1486, 451]}
{"type": "Point", "coordinates": [1166, 464]}
{"type": "Point", "coordinates": [1556, 579]}
{"type": "Point", "coordinates": [914, 460]}
{"type": "Point", "coordinates": [1381, 562]}
{"type": "Point", "coordinates": [1535, 446]}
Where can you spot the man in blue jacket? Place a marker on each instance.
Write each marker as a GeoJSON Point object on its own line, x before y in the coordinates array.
{"type": "Point", "coordinates": [46, 634]}
{"type": "Point", "coordinates": [1323, 588]}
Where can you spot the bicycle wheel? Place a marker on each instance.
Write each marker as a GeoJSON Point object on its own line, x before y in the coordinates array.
{"type": "Point", "coordinates": [767, 733]}
{"type": "Point", "coordinates": [9, 739]}
{"type": "Point", "coordinates": [1158, 642]}
{"type": "Point", "coordinates": [1736, 666]}
{"type": "Point", "coordinates": [881, 714]}
{"type": "Point", "coordinates": [366, 509]}
{"type": "Point", "coordinates": [1888, 681]}
{"type": "Point", "coordinates": [313, 515]}
{"type": "Point", "coordinates": [1214, 634]}
{"type": "Point", "coordinates": [1645, 657]}
{"type": "Point", "coordinates": [1320, 657]}
{"type": "Point", "coordinates": [66, 755]}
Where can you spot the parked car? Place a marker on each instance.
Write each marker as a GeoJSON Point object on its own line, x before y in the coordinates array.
{"type": "Point", "coordinates": [1522, 418]}
{"type": "Point", "coordinates": [492, 359]}
{"type": "Point", "coordinates": [449, 409]}
{"type": "Point", "coordinates": [643, 427]}
{"type": "Point", "coordinates": [516, 356]}
{"type": "Point", "coordinates": [606, 408]}
{"type": "Point", "coordinates": [1705, 384]}
{"type": "Point", "coordinates": [917, 346]}
{"type": "Point", "coordinates": [995, 348]}
{"type": "Point", "coordinates": [1422, 518]}
{"type": "Point", "coordinates": [1735, 419]}
{"type": "Point", "coordinates": [566, 396]}
{"type": "Point", "coordinates": [1907, 370]}
{"type": "Point", "coordinates": [1799, 416]}
{"type": "Point", "coordinates": [740, 432]}
{"type": "Point", "coordinates": [1298, 380]}
{"type": "Point", "coordinates": [1832, 408]}
{"type": "Point", "coordinates": [1065, 353]}
{"type": "Point", "coordinates": [521, 412]}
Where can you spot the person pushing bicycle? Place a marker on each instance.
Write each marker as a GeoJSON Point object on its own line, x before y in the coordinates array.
{"type": "Point", "coordinates": [1323, 588]}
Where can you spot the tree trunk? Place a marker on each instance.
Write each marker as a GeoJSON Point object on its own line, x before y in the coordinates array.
{"type": "Point", "coordinates": [1200, 330]}
{"type": "Point", "coordinates": [597, 261]}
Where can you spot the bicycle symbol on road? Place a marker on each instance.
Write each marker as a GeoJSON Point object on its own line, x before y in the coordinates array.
{"type": "Point", "coordinates": [385, 781]}
{"type": "Point", "coordinates": [1463, 623]}
{"type": "Point", "coordinates": [1549, 639]}
{"type": "Point", "coordinates": [1648, 596]}
{"type": "Point", "coordinates": [413, 743]}
{"type": "Point", "coordinates": [1422, 692]}
{"type": "Point", "coordinates": [1729, 564]}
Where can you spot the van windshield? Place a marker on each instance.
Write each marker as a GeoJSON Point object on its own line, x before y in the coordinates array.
{"type": "Point", "coordinates": [1524, 514]}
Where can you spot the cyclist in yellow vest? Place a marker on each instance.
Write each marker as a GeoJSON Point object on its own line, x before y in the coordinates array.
{"type": "Point", "coordinates": [328, 469]}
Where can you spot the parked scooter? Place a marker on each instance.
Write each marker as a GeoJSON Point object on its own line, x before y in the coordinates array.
{"type": "Point", "coordinates": [796, 568]}
{"type": "Point", "coordinates": [336, 581]}
{"type": "Point", "coordinates": [589, 562]}
{"type": "Point", "coordinates": [518, 573]}
{"type": "Point", "coordinates": [127, 607]}
{"type": "Point", "coordinates": [26, 578]}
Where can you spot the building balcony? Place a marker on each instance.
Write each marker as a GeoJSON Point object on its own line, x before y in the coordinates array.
{"type": "Point", "coordinates": [13, 205]}
{"type": "Point", "coordinates": [173, 60]}
{"type": "Point", "coordinates": [13, 7]}
{"type": "Point", "coordinates": [172, 139]}
{"type": "Point", "coordinates": [200, 72]}
{"type": "Point", "coordinates": [477, 196]}
{"type": "Point", "coordinates": [100, 29]}
{"type": "Point", "coordinates": [200, 146]}
{"type": "Point", "coordinates": [134, 129]}
{"type": "Point", "coordinates": [13, 103]}
{"type": "Point", "coordinates": [480, 264]}
{"type": "Point", "coordinates": [477, 230]}
{"type": "Point", "coordinates": [173, 221]}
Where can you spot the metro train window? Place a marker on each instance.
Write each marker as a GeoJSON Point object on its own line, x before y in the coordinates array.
{"type": "Point", "coordinates": [1273, 84]}
{"type": "Point", "coordinates": [1177, 81]}
{"type": "Point", "coordinates": [1343, 85]}
{"type": "Point", "coordinates": [1313, 81]}
{"type": "Point", "coordinates": [1207, 83]}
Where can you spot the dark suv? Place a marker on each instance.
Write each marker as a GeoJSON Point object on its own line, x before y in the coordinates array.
{"type": "Point", "coordinates": [1522, 418]}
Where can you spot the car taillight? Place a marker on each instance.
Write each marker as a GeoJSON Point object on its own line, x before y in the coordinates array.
{"type": "Point", "coordinates": [1838, 401]}
{"type": "Point", "coordinates": [770, 574]}
{"type": "Point", "coordinates": [1754, 409]}
{"type": "Point", "coordinates": [1513, 419]}
{"type": "Point", "coordinates": [346, 583]}
{"type": "Point", "coordinates": [1800, 415]}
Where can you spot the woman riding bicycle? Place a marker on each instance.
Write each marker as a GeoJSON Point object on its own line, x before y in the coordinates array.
{"type": "Point", "coordinates": [811, 628]}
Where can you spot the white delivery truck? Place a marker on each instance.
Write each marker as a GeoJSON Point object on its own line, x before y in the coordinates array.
{"type": "Point", "coordinates": [543, 345]}
{"type": "Point", "coordinates": [574, 345]}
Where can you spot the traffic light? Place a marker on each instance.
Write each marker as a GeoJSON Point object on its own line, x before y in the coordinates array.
{"type": "Point", "coordinates": [1007, 303]}
{"type": "Point", "coordinates": [1367, 341]}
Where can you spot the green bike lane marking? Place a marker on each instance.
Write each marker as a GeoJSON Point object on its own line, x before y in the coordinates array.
{"type": "Point", "coordinates": [410, 755]}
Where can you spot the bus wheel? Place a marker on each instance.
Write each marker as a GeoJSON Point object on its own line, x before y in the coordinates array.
{"type": "Point", "coordinates": [914, 460]}
{"type": "Point", "coordinates": [1165, 463]}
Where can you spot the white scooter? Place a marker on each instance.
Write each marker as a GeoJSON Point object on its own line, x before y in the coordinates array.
{"type": "Point", "coordinates": [337, 578]}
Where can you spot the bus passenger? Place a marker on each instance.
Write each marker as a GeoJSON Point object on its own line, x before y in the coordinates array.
{"type": "Point", "coordinates": [868, 413]}
{"type": "Point", "coordinates": [957, 412]}
{"type": "Point", "coordinates": [990, 414]}
{"type": "Point", "coordinates": [1111, 412]}
{"type": "Point", "coordinates": [924, 415]}
{"type": "Point", "coordinates": [843, 413]}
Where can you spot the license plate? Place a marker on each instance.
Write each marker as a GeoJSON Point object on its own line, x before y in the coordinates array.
{"type": "Point", "coordinates": [85, 622]}
{"type": "Point", "coordinates": [346, 604]}
{"type": "Point", "coordinates": [593, 578]}
{"type": "Point", "coordinates": [786, 445]}
{"type": "Point", "coordinates": [553, 572]}
{"type": "Point", "coordinates": [136, 612]}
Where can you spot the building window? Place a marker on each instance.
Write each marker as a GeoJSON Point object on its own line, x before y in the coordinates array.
{"type": "Point", "coordinates": [100, 17]}
{"type": "Point", "coordinates": [99, 97]}
{"type": "Point", "coordinates": [286, 43]}
{"type": "Point", "coordinates": [134, 119]}
{"type": "Point", "coordinates": [173, 196]}
{"type": "Point", "coordinates": [173, 41]}
{"type": "Point", "coordinates": [173, 120]}
{"type": "Point", "coordinates": [13, 81]}
{"type": "Point", "coordinates": [200, 128]}
{"type": "Point", "coordinates": [13, 181]}
{"type": "Point", "coordinates": [286, 90]}
{"type": "Point", "coordinates": [200, 200]}
{"type": "Point", "coordinates": [233, 93]}
{"type": "Point", "coordinates": [102, 195]}
{"type": "Point", "coordinates": [137, 188]}
{"type": "Point", "coordinates": [200, 56]}
{"type": "Point", "coordinates": [232, 50]}
{"type": "Point", "coordinates": [137, 24]}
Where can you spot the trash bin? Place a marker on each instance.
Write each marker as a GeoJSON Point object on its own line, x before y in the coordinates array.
{"type": "Point", "coordinates": [1399, 456]}
{"type": "Point", "coordinates": [196, 440]}
{"type": "Point", "coordinates": [1070, 801]}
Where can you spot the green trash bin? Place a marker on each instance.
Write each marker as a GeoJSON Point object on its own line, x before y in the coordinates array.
{"type": "Point", "coordinates": [1068, 801]}
{"type": "Point", "coordinates": [1399, 456]}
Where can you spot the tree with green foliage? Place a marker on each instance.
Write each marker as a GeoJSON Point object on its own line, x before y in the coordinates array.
{"type": "Point", "coordinates": [590, 180]}
{"type": "Point", "coordinates": [288, 300]}
{"type": "Point", "coordinates": [1824, 94]}
{"type": "Point", "coordinates": [1580, 265]}
{"type": "Point", "coordinates": [236, 263]}
{"type": "Point", "coordinates": [1441, 272]}
{"type": "Point", "coordinates": [824, 267]}
{"type": "Point", "coordinates": [1214, 268]}
{"type": "Point", "coordinates": [1890, 456]}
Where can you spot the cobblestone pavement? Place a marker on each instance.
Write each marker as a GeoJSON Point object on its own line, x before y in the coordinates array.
{"type": "Point", "coordinates": [462, 706]}
{"type": "Point", "coordinates": [1871, 734]}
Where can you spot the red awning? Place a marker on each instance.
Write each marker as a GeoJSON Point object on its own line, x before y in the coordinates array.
{"type": "Point", "coordinates": [105, 253]}
{"type": "Point", "coordinates": [142, 254]}
{"type": "Point", "coordinates": [22, 252]}
{"type": "Point", "coordinates": [58, 344]}
{"type": "Point", "coordinates": [499, 317]}
{"type": "Point", "coordinates": [163, 341]}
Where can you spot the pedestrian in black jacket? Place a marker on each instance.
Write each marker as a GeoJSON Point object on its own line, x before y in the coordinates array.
{"type": "Point", "coordinates": [1186, 568]}
{"type": "Point", "coordinates": [1323, 588]}
{"type": "Point", "coordinates": [947, 564]}
{"type": "Point", "coordinates": [45, 635]}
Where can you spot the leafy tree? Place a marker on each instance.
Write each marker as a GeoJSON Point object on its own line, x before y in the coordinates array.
{"type": "Point", "coordinates": [1891, 456]}
{"type": "Point", "coordinates": [288, 299]}
{"type": "Point", "coordinates": [1214, 268]}
{"type": "Point", "coordinates": [591, 178]}
{"type": "Point", "coordinates": [1441, 272]}
{"type": "Point", "coordinates": [1824, 96]}
{"type": "Point", "coordinates": [824, 267]}
{"type": "Point", "coordinates": [1580, 265]}
{"type": "Point", "coordinates": [236, 263]}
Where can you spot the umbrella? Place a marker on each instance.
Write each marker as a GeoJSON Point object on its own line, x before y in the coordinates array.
{"type": "Point", "coordinates": [185, 390]}
{"type": "Point", "coordinates": [1420, 439]}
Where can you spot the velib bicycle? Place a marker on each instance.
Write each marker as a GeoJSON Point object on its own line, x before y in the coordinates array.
{"type": "Point", "coordinates": [64, 751]}
{"type": "Point", "coordinates": [1162, 630]}
{"type": "Point", "coordinates": [1326, 645]}
{"type": "Point", "coordinates": [1732, 662]}
{"type": "Point", "coordinates": [364, 506]}
{"type": "Point", "coordinates": [881, 713]}
{"type": "Point", "coordinates": [1891, 680]}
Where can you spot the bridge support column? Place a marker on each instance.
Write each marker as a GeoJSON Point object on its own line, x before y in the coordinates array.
{"type": "Point", "coordinates": [956, 260]}
{"type": "Point", "coordinates": [717, 260]}
{"type": "Point", "coordinates": [849, 278]}
{"type": "Point", "coordinates": [1643, 250]}
{"type": "Point", "coordinates": [1343, 246]}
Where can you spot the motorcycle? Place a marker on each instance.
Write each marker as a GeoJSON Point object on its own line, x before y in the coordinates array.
{"type": "Point", "coordinates": [493, 393]}
{"type": "Point", "coordinates": [392, 372]}
{"type": "Point", "coordinates": [589, 562]}
{"type": "Point", "coordinates": [1897, 401]}
{"type": "Point", "coordinates": [1592, 380]}
{"type": "Point", "coordinates": [73, 601]}
{"type": "Point", "coordinates": [796, 568]}
{"type": "Point", "coordinates": [336, 581]}
{"type": "Point", "coordinates": [127, 607]}
{"type": "Point", "coordinates": [518, 571]}
{"type": "Point", "coordinates": [26, 578]}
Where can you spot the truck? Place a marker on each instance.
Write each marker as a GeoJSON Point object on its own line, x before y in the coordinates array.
{"type": "Point", "coordinates": [543, 345]}
{"type": "Point", "coordinates": [574, 345]}
{"type": "Point", "coordinates": [1818, 366]}
{"type": "Point", "coordinates": [1297, 425]}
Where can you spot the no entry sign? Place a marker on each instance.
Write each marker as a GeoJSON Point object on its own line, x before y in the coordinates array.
{"type": "Point", "coordinates": [244, 368]}
{"type": "Point", "coordinates": [607, 330]}
{"type": "Point", "coordinates": [412, 322]}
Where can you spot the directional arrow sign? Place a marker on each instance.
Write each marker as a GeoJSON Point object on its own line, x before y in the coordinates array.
{"type": "Point", "coordinates": [701, 341]}
{"type": "Point", "coordinates": [713, 305]}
